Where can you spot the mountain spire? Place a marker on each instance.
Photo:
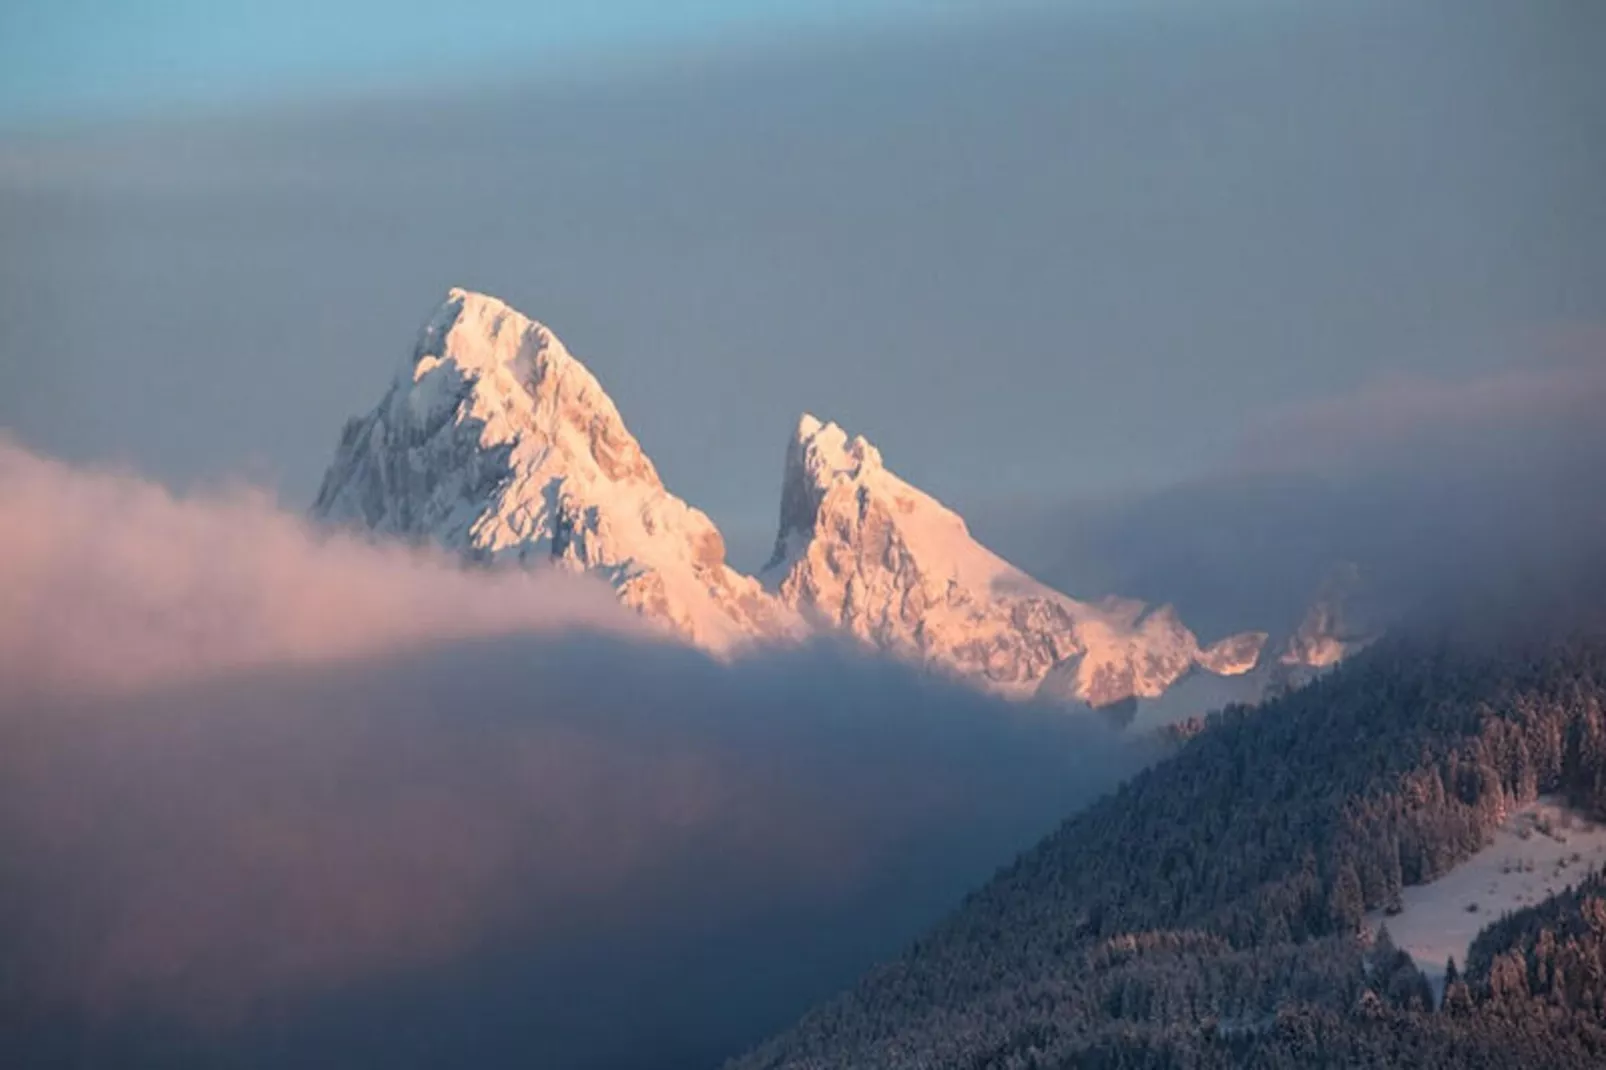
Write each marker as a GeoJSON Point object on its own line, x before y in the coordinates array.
{"type": "Point", "coordinates": [861, 550]}
{"type": "Point", "coordinates": [495, 442]}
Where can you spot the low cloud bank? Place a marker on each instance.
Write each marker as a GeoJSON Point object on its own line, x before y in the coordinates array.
{"type": "Point", "coordinates": [1483, 486]}
{"type": "Point", "coordinates": [269, 798]}
{"type": "Point", "coordinates": [109, 583]}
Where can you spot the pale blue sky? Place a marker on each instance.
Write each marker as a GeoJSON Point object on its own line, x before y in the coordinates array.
{"type": "Point", "coordinates": [90, 59]}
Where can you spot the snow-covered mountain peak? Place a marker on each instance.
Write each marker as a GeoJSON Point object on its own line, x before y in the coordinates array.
{"type": "Point", "coordinates": [827, 470]}
{"type": "Point", "coordinates": [522, 383]}
{"type": "Point", "coordinates": [826, 448]}
{"type": "Point", "coordinates": [818, 456]}
{"type": "Point", "coordinates": [861, 550]}
{"type": "Point", "coordinates": [483, 333]}
{"type": "Point", "coordinates": [495, 442]}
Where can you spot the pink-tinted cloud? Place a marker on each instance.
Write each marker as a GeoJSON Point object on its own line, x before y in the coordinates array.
{"type": "Point", "coordinates": [109, 582]}
{"type": "Point", "coordinates": [248, 770]}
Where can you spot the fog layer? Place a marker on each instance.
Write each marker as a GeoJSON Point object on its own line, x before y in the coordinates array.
{"type": "Point", "coordinates": [270, 798]}
{"type": "Point", "coordinates": [1437, 488]}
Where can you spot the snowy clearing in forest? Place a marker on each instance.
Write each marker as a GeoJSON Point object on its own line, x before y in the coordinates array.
{"type": "Point", "coordinates": [1541, 849]}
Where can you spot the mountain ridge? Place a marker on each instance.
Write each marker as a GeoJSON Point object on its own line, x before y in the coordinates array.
{"type": "Point", "coordinates": [494, 442]}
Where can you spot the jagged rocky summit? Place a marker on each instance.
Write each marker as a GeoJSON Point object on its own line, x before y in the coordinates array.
{"type": "Point", "coordinates": [862, 551]}
{"type": "Point", "coordinates": [493, 442]}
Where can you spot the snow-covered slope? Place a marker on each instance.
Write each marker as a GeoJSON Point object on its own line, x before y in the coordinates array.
{"type": "Point", "coordinates": [494, 442]}
{"type": "Point", "coordinates": [863, 551]}
{"type": "Point", "coordinates": [1542, 848]}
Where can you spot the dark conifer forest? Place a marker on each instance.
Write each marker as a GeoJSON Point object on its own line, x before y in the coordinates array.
{"type": "Point", "coordinates": [1209, 913]}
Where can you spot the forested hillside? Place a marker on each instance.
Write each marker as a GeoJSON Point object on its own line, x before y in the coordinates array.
{"type": "Point", "coordinates": [1209, 913]}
